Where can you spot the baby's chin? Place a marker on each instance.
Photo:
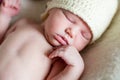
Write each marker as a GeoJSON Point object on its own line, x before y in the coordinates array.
{"type": "Point", "coordinates": [55, 44]}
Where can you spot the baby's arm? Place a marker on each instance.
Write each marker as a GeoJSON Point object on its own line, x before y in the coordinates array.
{"type": "Point", "coordinates": [74, 61]}
{"type": "Point", "coordinates": [8, 9]}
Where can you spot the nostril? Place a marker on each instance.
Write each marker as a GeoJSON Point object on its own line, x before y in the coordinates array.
{"type": "Point", "coordinates": [68, 31]}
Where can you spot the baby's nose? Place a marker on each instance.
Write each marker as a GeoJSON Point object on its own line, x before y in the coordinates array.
{"type": "Point", "coordinates": [72, 31]}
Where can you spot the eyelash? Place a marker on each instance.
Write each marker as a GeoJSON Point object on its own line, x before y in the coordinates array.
{"type": "Point", "coordinates": [85, 35]}
{"type": "Point", "coordinates": [68, 18]}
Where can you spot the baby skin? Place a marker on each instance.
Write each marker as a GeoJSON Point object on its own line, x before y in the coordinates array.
{"type": "Point", "coordinates": [46, 51]}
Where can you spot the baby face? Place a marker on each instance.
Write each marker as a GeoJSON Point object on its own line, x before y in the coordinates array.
{"type": "Point", "coordinates": [64, 28]}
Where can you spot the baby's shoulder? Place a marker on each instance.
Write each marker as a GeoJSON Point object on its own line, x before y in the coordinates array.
{"type": "Point", "coordinates": [25, 26]}
{"type": "Point", "coordinates": [24, 21]}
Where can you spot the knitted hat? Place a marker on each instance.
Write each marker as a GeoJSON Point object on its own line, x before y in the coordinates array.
{"type": "Point", "coordinates": [96, 13]}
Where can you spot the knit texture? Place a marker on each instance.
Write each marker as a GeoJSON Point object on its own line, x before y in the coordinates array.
{"type": "Point", "coordinates": [96, 13]}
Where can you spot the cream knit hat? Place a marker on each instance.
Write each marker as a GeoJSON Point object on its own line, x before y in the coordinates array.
{"type": "Point", "coordinates": [96, 13]}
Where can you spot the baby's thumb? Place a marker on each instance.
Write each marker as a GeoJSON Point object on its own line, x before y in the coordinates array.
{"type": "Point", "coordinates": [56, 53]}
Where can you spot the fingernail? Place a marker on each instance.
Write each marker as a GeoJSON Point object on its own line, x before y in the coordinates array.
{"type": "Point", "coordinates": [51, 56]}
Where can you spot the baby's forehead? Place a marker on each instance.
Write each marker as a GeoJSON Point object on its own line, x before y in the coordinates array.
{"type": "Point", "coordinates": [63, 10]}
{"type": "Point", "coordinates": [59, 9]}
{"type": "Point", "coordinates": [69, 13]}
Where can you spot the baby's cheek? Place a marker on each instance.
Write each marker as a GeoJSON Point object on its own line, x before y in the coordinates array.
{"type": "Point", "coordinates": [80, 42]}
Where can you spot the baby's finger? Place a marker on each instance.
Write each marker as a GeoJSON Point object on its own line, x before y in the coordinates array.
{"type": "Point", "coordinates": [17, 4]}
{"type": "Point", "coordinates": [10, 2]}
{"type": "Point", "coordinates": [13, 2]}
{"type": "Point", "coordinates": [5, 3]}
{"type": "Point", "coordinates": [57, 53]}
{"type": "Point", "coordinates": [61, 53]}
{"type": "Point", "coordinates": [18, 1]}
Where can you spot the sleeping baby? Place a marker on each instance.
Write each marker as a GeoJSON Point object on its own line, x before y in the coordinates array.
{"type": "Point", "coordinates": [51, 50]}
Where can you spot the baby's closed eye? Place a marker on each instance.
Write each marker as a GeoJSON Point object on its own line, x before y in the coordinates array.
{"type": "Point", "coordinates": [86, 35]}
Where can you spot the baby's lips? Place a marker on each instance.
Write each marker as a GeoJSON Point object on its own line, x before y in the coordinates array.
{"type": "Point", "coordinates": [62, 40]}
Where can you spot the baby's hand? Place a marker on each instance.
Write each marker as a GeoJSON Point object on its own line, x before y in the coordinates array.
{"type": "Point", "coordinates": [10, 7]}
{"type": "Point", "coordinates": [74, 61]}
{"type": "Point", "coordinates": [69, 54]}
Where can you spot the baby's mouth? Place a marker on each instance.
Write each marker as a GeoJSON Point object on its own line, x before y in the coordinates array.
{"type": "Point", "coordinates": [62, 40]}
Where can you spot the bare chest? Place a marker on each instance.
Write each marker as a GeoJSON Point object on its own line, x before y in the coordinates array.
{"type": "Point", "coordinates": [27, 47]}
